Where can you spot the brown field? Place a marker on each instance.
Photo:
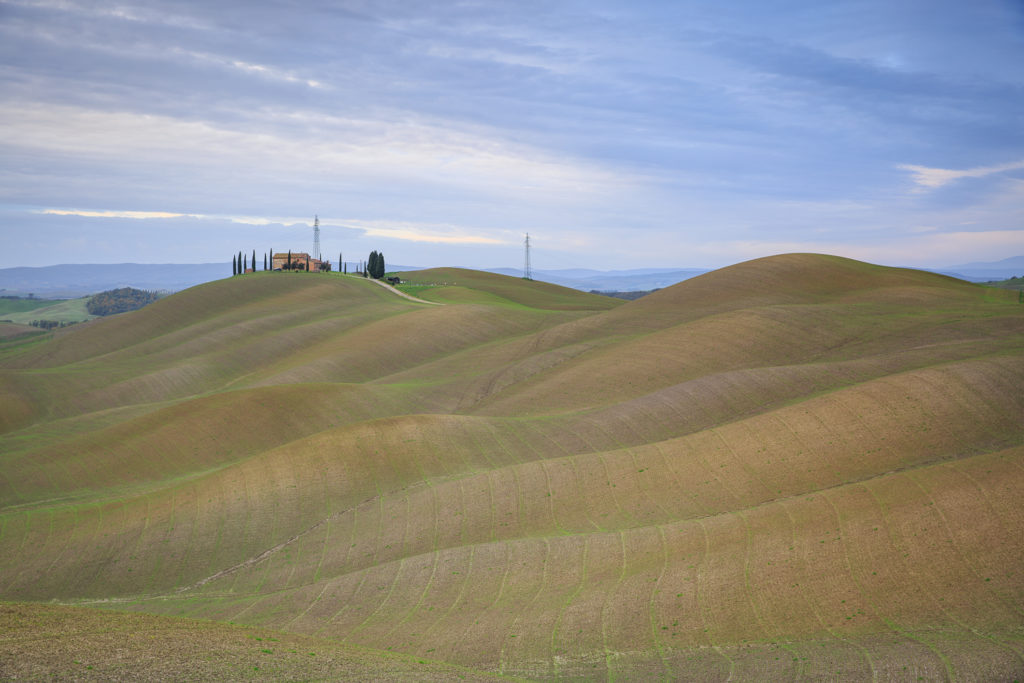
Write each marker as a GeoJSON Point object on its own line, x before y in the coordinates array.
{"type": "Point", "coordinates": [800, 467]}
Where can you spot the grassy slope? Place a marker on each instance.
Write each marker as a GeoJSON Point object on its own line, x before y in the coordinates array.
{"type": "Point", "coordinates": [11, 330]}
{"type": "Point", "coordinates": [8, 306]}
{"type": "Point", "coordinates": [111, 646]}
{"type": "Point", "coordinates": [799, 466]}
{"type": "Point", "coordinates": [65, 311]}
{"type": "Point", "coordinates": [459, 285]}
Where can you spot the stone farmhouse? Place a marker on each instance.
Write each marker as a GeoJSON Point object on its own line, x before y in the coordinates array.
{"type": "Point", "coordinates": [300, 260]}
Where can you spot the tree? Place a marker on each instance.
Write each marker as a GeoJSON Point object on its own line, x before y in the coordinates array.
{"type": "Point", "coordinates": [240, 269]}
{"type": "Point", "coordinates": [375, 266]}
{"type": "Point", "coordinates": [289, 266]}
{"type": "Point", "coordinates": [234, 265]}
{"type": "Point", "coordinates": [254, 261]}
{"type": "Point", "coordinates": [271, 259]}
{"type": "Point", "coordinates": [307, 265]}
{"type": "Point", "coordinates": [119, 300]}
{"type": "Point", "coordinates": [264, 261]}
{"type": "Point", "coordinates": [245, 263]}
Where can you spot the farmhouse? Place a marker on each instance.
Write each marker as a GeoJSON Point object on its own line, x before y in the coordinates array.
{"type": "Point", "coordinates": [299, 261]}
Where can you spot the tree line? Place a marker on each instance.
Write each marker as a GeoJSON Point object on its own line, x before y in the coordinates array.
{"type": "Point", "coordinates": [50, 324]}
{"type": "Point", "coordinates": [373, 267]}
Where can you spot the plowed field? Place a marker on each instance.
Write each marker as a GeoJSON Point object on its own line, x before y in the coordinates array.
{"type": "Point", "coordinates": [800, 467]}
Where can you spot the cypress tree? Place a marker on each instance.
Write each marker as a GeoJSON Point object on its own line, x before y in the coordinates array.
{"type": "Point", "coordinates": [234, 265]}
{"type": "Point", "coordinates": [271, 258]}
{"type": "Point", "coordinates": [254, 261]}
{"type": "Point", "coordinates": [289, 260]}
{"type": "Point", "coordinates": [307, 265]}
{"type": "Point", "coordinates": [380, 265]}
{"type": "Point", "coordinates": [264, 261]}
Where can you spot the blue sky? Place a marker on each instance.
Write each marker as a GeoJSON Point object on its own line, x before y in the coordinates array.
{"type": "Point", "coordinates": [619, 134]}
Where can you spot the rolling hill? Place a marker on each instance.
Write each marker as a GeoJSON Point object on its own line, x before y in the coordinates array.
{"type": "Point", "coordinates": [796, 467]}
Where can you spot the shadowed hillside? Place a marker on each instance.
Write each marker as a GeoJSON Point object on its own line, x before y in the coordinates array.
{"type": "Point", "coordinates": [796, 467]}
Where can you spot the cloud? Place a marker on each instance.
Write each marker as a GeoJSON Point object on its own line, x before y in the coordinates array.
{"type": "Point", "coordinates": [932, 178]}
{"type": "Point", "coordinates": [425, 232]}
{"type": "Point", "coordinates": [261, 70]}
{"type": "Point", "coordinates": [286, 149]}
{"type": "Point", "coordinates": [112, 214]}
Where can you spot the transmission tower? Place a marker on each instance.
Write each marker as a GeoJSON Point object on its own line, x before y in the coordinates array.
{"type": "Point", "coordinates": [527, 270]}
{"type": "Point", "coordinates": [316, 237]}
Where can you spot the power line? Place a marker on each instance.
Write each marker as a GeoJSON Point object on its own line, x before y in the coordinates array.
{"type": "Point", "coordinates": [316, 237]}
{"type": "Point", "coordinates": [527, 270]}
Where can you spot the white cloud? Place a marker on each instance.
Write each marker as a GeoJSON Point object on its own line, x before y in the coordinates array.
{"type": "Point", "coordinates": [261, 70]}
{"type": "Point", "coordinates": [290, 146]}
{"type": "Point", "coordinates": [437, 233]}
{"type": "Point", "coordinates": [141, 15]}
{"type": "Point", "coordinates": [931, 178]}
{"type": "Point", "coordinates": [112, 214]}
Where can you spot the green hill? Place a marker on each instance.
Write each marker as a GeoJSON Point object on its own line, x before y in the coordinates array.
{"type": "Point", "coordinates": [796, 467]}
{"type": "Point", "coordinates": [24, 311]}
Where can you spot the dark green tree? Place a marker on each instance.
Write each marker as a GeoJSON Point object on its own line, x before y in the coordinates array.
{"type": "Point", "coordinates": [119, 301]}
{"type": "Point", "coordinates": [375, 266]}
{"type": "Point", "coordinates": [254, 261]}
{"type": "Point", "coordinates": [264, 261]}
{"type": "Point", "coordinates": [234, 265]}
{"type": "Point", "coordinates": [289, 266]}
{"type": "Point", "coordinates": [271, 259]}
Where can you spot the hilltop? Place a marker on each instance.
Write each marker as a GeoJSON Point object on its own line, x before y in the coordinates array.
{"type": "Point", "coordinates": [799, 466]}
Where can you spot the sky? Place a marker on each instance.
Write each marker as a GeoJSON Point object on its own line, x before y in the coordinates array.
{"type": "Point", "coordinates": [617, 133]}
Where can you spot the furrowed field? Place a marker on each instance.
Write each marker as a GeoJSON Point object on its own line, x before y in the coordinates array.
{"type": "Point", "coordinates": [801, 467]}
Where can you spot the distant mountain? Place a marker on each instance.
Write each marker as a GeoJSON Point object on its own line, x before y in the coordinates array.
{"type": "Point", "coordinates": [73, 280]}
{"type": "Point", "coordinates": [982, 271]}
{"type": "Point", "coordinates": [78, 279]}
{"type": "Point", "coordinates": [609, 280]}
